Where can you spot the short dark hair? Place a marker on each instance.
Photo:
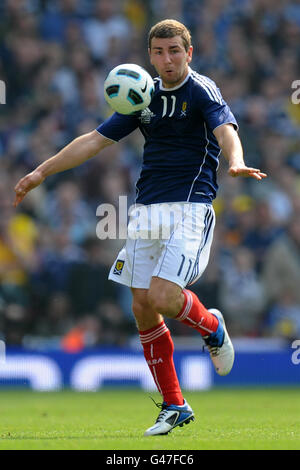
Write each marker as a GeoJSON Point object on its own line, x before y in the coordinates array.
{"type": "Point", "coordinates": [169, 29]}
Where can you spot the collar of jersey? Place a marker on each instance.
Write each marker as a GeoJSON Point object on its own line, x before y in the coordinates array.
{"type": "Point", "coordinates": [175, 87]}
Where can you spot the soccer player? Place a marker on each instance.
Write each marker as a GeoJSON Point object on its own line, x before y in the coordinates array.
{"type": "Point", "coordinates": [186, 127]}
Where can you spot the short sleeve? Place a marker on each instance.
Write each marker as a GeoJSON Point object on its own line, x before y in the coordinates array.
{"type": "Point", "coordinates": [214, 109]}
{"type": "Point", "coordinates": [118, 126]}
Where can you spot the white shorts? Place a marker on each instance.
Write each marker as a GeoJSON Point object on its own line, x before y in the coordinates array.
{"type": "Point", "coordinates": [167, 240]}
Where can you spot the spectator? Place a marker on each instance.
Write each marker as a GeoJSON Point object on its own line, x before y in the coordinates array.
{"type": "Point", "coordinates": [18, 236]}
{"type": "Point", "coordinates": [281, 272]}
{"type": "Point", "coordinates": [104, 26]}
{"type": "Point", "coordinates": [86, 333]}
{"type": "Point", "coordinates": [283, 317]}
{"type": "Point", "coordinates": [242, 294]}
{"type": "Point", "coordinates": [88, 285]}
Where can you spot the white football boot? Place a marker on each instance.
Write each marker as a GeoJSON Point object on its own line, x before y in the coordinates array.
{"type": "Point", "coordinates": [170, 417]}
{"type": "Point", "coordinates": [220, 346]}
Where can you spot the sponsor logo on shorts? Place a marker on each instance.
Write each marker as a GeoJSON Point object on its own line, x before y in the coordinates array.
{"type": "Point", "coordinates": [119, 267]}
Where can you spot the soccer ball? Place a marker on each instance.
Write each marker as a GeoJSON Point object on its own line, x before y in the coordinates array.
{"type": "Point", "coordinates": [128, 88]}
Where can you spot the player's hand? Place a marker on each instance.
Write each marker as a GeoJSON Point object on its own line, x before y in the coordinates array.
{"type": "Point", "coordinates": [26, 184]}
{"type": "Point", "coordinates": [247, 172]}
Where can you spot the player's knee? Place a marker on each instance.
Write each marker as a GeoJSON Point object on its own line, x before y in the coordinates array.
{"type": "Point", "coordinates": [145, 316]}
{"type": "Point", "coordinates": [141, 308]}
{"type": "Point", "coordinates": [159, 301]}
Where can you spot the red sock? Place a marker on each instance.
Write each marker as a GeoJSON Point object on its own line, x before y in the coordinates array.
{"type": "Point", "coordinates": [194, 314]}
{"type": "Point", "coordinates": [158, 351]}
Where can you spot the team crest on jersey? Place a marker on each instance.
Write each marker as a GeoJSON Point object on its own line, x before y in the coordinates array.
{"type": "Point", "coordinates": [119, 267]}
{"type": "Point", "coordinates": [183, 109]}
{"type": "Point", "coordinates": [146, 116]}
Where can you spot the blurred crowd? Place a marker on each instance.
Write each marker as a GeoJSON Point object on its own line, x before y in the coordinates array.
{"type": "Point", "coordinates": [54, 57]}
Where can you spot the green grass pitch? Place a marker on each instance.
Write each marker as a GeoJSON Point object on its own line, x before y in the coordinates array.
{"type": "Point", "coordinates": [114, 419]}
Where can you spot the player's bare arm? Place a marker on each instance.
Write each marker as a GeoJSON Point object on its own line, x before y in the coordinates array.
{"type": "Point", "coordinates": [74, 154]}
{"type": "Point", "coordinates": [232, 150]}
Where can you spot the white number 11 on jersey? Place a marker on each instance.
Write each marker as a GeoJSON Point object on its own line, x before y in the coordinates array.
{"type": "Point", "coordinates": [165, 108]}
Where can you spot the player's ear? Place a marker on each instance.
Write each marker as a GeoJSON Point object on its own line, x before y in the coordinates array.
{"type": "Point", "coordinates": [190, 54]}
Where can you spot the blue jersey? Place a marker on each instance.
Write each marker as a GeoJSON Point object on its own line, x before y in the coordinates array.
{"type": "Point", "coordinates": [181, 153]}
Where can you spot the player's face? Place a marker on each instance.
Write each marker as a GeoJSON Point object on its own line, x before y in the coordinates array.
{"type": "Point", "coordinates": [170, 60]}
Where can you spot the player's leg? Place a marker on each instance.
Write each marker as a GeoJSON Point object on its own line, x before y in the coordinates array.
{"type": "Point", "coordinates": [134, 267]}
{"type": "Point", "coordinates": [182, 262]}
{"type": "Point", "coordinates": [166, 296]}
{"type": "Point", "coordinates": [172, 301]}
{"type": "Point", "coordinates": [158, 349]}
